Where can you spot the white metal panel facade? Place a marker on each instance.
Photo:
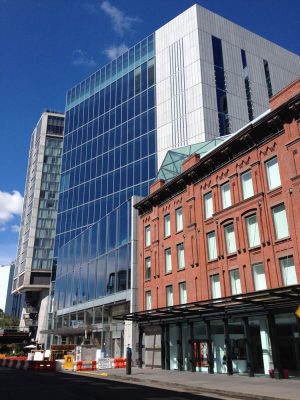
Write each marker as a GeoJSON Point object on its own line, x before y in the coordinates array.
{"type": "Point", "coordinates": [185, 81]}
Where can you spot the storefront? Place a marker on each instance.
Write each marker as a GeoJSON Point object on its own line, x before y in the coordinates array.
{"type": "Point", "coordinates": [255, 333]}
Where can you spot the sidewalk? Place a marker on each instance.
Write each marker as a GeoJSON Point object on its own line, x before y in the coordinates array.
{"type": "Point", "coordinates": [240, 387]}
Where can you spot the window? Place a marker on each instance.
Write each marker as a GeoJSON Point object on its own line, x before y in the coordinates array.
{"type": "Point", "coordinates": [280, 222]}
{"type": "Point", "coordinates": [220, 81]}
{"type": "Point", "coordinates": [182, 293]}
{"type": "Point", "coordinates": [148, 300]}
{"type": "Point", "coordinates": [208, 204]}
{"type": "Point", "coordinates": [168, 260]}
{"type": "Point", "coordinates": [215, 286]}
{"type": "Point", "coordinates": [230, 239]}
{"type": "Point", "coordinates": [169, 293]}
{"type": "Point", "coordinates": [225, 192]}
{"type": "Point", "coordinates": [179, 224]}
{"type": "Point", "coordinates": [147, 236]}
{"type": "Point", "coordinates": [268, 78]}
{"type": "Point", "coordinates": [273, 175]}
{"type": "Point", "coordinates": [288, 271]}
{"type": "Point", "coordinates": [252, 231]}
{"type": "Point", "coordinates": [235, 281]}
{"type": "Point", "coordinates": [259, 276]}
{"type": "Point", "coordinates": [147, 268]}
{"type": "Point", "coordinates": [167, 225]}
{"type": "Point", "coordinates": [247, 185]}
{"type": "Point", "coordinates": [180, 256]}
{"type": "Point", "coordinates": [212, 246]}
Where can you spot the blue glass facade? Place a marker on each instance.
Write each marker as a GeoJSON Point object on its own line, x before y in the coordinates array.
{"type": "Point", "coordinates": [110, 140]}
{"type": "Point", "coordinates": [95, 263]}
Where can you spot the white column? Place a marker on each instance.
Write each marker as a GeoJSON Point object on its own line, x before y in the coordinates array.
{"type": "Point", "coordinates": [265, 344]}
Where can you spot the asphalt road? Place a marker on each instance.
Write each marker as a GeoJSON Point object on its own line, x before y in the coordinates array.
{"type": "Point", "coordinates": [23, 385]}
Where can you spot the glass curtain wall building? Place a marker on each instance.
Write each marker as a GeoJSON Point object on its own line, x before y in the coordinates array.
{"type": "Point", "coordinates": [95, 269]}
{"type": "Point", "coordinates": [37, 230]}
{"type": "Point", "coordinates": [182, 85]}
{"type": "Point", "coordinates": [109, 151]}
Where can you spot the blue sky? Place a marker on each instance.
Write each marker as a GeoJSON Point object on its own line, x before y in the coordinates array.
{"type": "Point", "coordinates": [47, 46]}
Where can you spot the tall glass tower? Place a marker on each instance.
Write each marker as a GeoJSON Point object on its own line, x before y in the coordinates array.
{"type": "Point", "coordinates": [37, 230]}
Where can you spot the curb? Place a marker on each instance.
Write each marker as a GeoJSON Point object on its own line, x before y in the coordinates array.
{"type": "Point", "coordinates": [177, 386]}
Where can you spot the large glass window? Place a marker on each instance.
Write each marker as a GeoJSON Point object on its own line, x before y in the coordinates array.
{"type": "Point", "coordinates": [179, 224]}
{"type": "Point", "coordinates": [168, 260]}
{"type": "Point", "coordinates": [230, 239]}
{"type": "Point", "coordinates": [212, 246]}
{"type": "Point", "coordinates": [225, 193]}
{"type": "Point", "coordinates": [247, 185]}
{"type": "Point", "coordinates": [208, 204]}
{"type": "Point", "coordinates": [273, 175]}
{"type": "Point", "coordinates": [182, 293]}
{"type": "Point", "coordinates": [147, 236]}
{"type": "Point", "coordinates": [169, 295]}
{"type": "Point", "coordinates": [148, 302]}
{"type": "Point", "coordinates": [252, 231]}
{"type": "Point", "coordinates": [167, 225]}
{"type": "Point", "coordinates": [215, 286]}
{"type": "Point", "coordinates": [235, 281]}
{"type": "Point", "coordinates": [111, 273]}
{"type": "Point", "coordinates": [259, 277]}
{"type": "Point", "coordinates": [147, 268]}
{"type": "Point", "coordinates": [180, 256]}
{"type": "Point", "coordinates": [280, 222]}
{"type": "Point", "coordinates": [288, 271]}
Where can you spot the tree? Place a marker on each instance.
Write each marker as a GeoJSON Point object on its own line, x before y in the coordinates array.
{"type": "Point", "coordinates": [7, 320]}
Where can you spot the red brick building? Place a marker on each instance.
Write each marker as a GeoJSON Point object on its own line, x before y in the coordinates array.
{"type": "Point", "coordinates": [218, 261]}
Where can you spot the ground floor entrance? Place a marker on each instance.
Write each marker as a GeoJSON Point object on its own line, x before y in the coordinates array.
{"type": "Point", "coordinates": [261, 345]}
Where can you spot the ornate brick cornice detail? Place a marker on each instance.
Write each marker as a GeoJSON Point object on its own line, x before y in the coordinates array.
{"type": "Point", "coordinates": [270, 148]}
{"type": "Point", "coordinates": [222, 175]}
{"type": "Point", "coordinates": [243, 163]}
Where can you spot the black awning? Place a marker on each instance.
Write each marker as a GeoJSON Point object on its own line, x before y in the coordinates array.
{"type": "Point", "coordinates": [236, 305]}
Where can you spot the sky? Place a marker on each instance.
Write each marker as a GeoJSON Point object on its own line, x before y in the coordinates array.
{"type": "Point", "coordinates": [48, 46]}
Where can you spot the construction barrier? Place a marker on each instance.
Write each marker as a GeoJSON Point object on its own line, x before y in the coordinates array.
{"type": "Point", "coordinates": [79, 366]}
{"type": "Point", "coordinates": [86, 366]}
{"type": "Point", "coordinates": [119, 362]}
{"type": "Point", "coordinates": [21, 363]}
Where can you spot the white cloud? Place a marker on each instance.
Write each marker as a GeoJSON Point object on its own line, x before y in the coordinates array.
{"type": "Point", "coordinates": [11, 205]}
{"type": "Point", "coordinates": [80, 57]}
{"type": "Point", "coordinates": [15, 228]}
{"type": "Point", "coordinates": [121, 22]}
{"type": "Point", "coordinates": [113, 51]}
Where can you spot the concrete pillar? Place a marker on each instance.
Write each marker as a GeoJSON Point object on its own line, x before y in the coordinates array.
{"type": "Point", "coordinates": [42, 317]}
{"type": "Point", "coordinates": [265, 344]}
{"type": "Point", "coordinates": [130, 335]}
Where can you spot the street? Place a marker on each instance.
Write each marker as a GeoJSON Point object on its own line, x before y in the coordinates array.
{"type": "Point", "coordinates": [17, 385]}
